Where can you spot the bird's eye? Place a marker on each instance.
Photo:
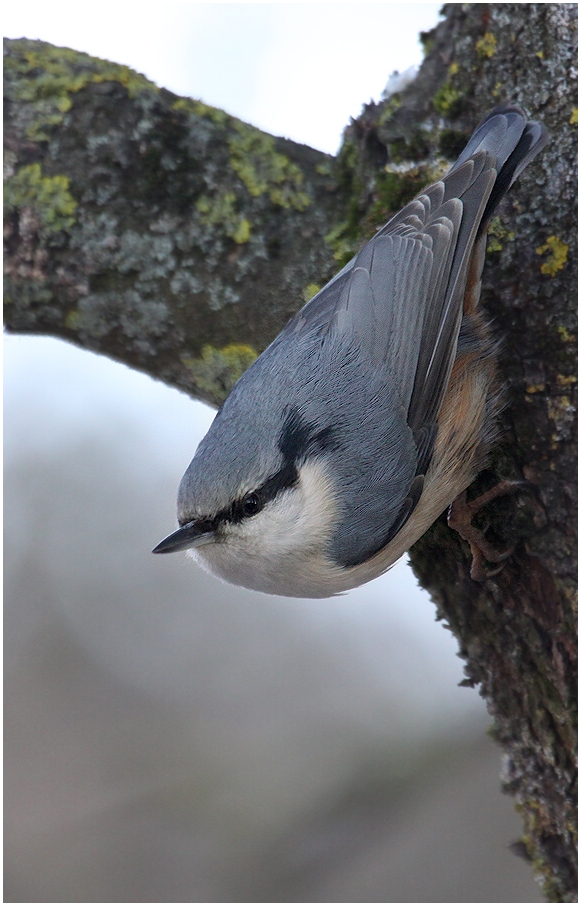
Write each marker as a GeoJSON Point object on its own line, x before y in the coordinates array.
{"type": "Point", "coordinates": [251, 505]}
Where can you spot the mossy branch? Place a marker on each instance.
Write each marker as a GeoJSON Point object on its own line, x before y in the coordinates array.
{"type": "Point", "coordinates": [153, 228]}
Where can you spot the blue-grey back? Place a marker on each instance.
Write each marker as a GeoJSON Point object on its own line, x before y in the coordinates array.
{"type": "Point", "coordinates": [342, 410]}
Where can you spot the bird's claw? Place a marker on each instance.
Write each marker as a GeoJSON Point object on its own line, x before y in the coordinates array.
{"type": "Point", "coordinates": [460, 515]}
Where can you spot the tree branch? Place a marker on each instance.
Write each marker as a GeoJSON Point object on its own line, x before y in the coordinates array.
{"type": "Point", "coordinates": [154, 229]}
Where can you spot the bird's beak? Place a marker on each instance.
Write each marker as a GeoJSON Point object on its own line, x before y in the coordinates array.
{"type": "Point", "coordinates": [189, 535]}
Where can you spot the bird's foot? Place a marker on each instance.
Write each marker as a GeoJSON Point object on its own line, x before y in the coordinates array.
{"type": "Point", "coordinates": [460, 516]}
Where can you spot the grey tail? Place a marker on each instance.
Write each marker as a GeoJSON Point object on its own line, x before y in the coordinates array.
{"type": "Point", "coordinates": [513, 141]}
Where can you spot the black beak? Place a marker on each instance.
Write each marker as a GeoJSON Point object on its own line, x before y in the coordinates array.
{"type": "Point", "coordinates": [189, 535]}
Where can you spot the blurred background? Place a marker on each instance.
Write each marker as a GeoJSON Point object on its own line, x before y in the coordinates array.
{"type": "Point", "coordinates": [168, 737]}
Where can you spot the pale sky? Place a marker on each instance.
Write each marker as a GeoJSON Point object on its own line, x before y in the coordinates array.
{"type": "Point", "coordinates": [294, 69]}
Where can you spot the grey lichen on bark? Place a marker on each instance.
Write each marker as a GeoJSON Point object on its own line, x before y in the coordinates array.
{"type": "Point", "coordinates": [172, 237]}
{"type": "Point", "coordinates": [155, 229]}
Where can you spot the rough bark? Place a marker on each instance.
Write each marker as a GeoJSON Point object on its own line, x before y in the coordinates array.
{"type": "Point", "coordinates": [154, 229]}
{"type": "Point", "coordinates": [175, 238]}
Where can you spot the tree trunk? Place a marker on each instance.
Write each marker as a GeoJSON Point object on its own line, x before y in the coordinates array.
{"type": "Point", "coordinates": [173, 237]}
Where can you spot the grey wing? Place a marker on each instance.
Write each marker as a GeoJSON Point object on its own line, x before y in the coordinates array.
{"type": "Point", "coordinates": [401, 297]}
{"type": "Point", "coordinates": [400, 301]}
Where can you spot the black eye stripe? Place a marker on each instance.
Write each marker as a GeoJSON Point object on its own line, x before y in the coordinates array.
{"type": "Point", "coordinates": [253, 503]}
{"type": "Point", "coordinates": [297, 440]}
{"type": "Point", "coordinates": [286, 477]}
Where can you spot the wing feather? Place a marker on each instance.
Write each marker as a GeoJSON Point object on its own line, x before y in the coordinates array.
{"type": "Point", "coordinates": [401, 297]}
{"type": "Point", "coordinates": [400, 300]}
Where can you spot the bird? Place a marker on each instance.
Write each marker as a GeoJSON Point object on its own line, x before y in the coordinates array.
{"type": "Point", "coordinates": [373, 409]}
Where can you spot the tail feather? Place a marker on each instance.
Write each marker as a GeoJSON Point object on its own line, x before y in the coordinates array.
{"type": "Point", "coordinates": [513, 141]}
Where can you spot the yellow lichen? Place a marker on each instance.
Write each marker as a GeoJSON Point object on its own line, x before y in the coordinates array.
{"type": "Point", "coordinates": [73, 320]}
{"type": "Point", "coordinates": [486, 46]}
{"type": "Point", "coordinates": [46, 77]}
{"type": "Point", "coordinates": [559, 406]}
{"type": "Point", "coordinates": [497, 235]}
{"type": "Point", "coordinates": [557, 258]}
{"type": "Point", "coordinates": [324, 169]}
{"type": "Point", "coordinates": [221, 211]}
{"type": "Point", "coordinates": [389, 108]}
{"type": "Point", "coordinates": [216, 370]}
{"type": "Point", "coordinates": [242, 232]}
{"type": "Point", "coordinates": [342, 243]}
{"type": "Point", "coordinates": [47, 196]}
{"type": "Point", "coordinates": [453, 69]}
{"type": "Point", "coordinates": [199, 108]}
{"type": "Point", "coordinates": [445, 98]}
{"type": "Point", "coordinates": [262, 169]}
{"type": "Point", "coordinates": [574, 116]}
{"type": "Point", "coordinates": [310, 290]}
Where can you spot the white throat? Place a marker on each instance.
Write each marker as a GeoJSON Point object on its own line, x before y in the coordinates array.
{"type": "Point", "coordinates": [281, 550]}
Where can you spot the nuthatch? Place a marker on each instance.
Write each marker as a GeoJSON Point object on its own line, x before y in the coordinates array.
{"type": "Point", "coordinates": [373, 408]}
